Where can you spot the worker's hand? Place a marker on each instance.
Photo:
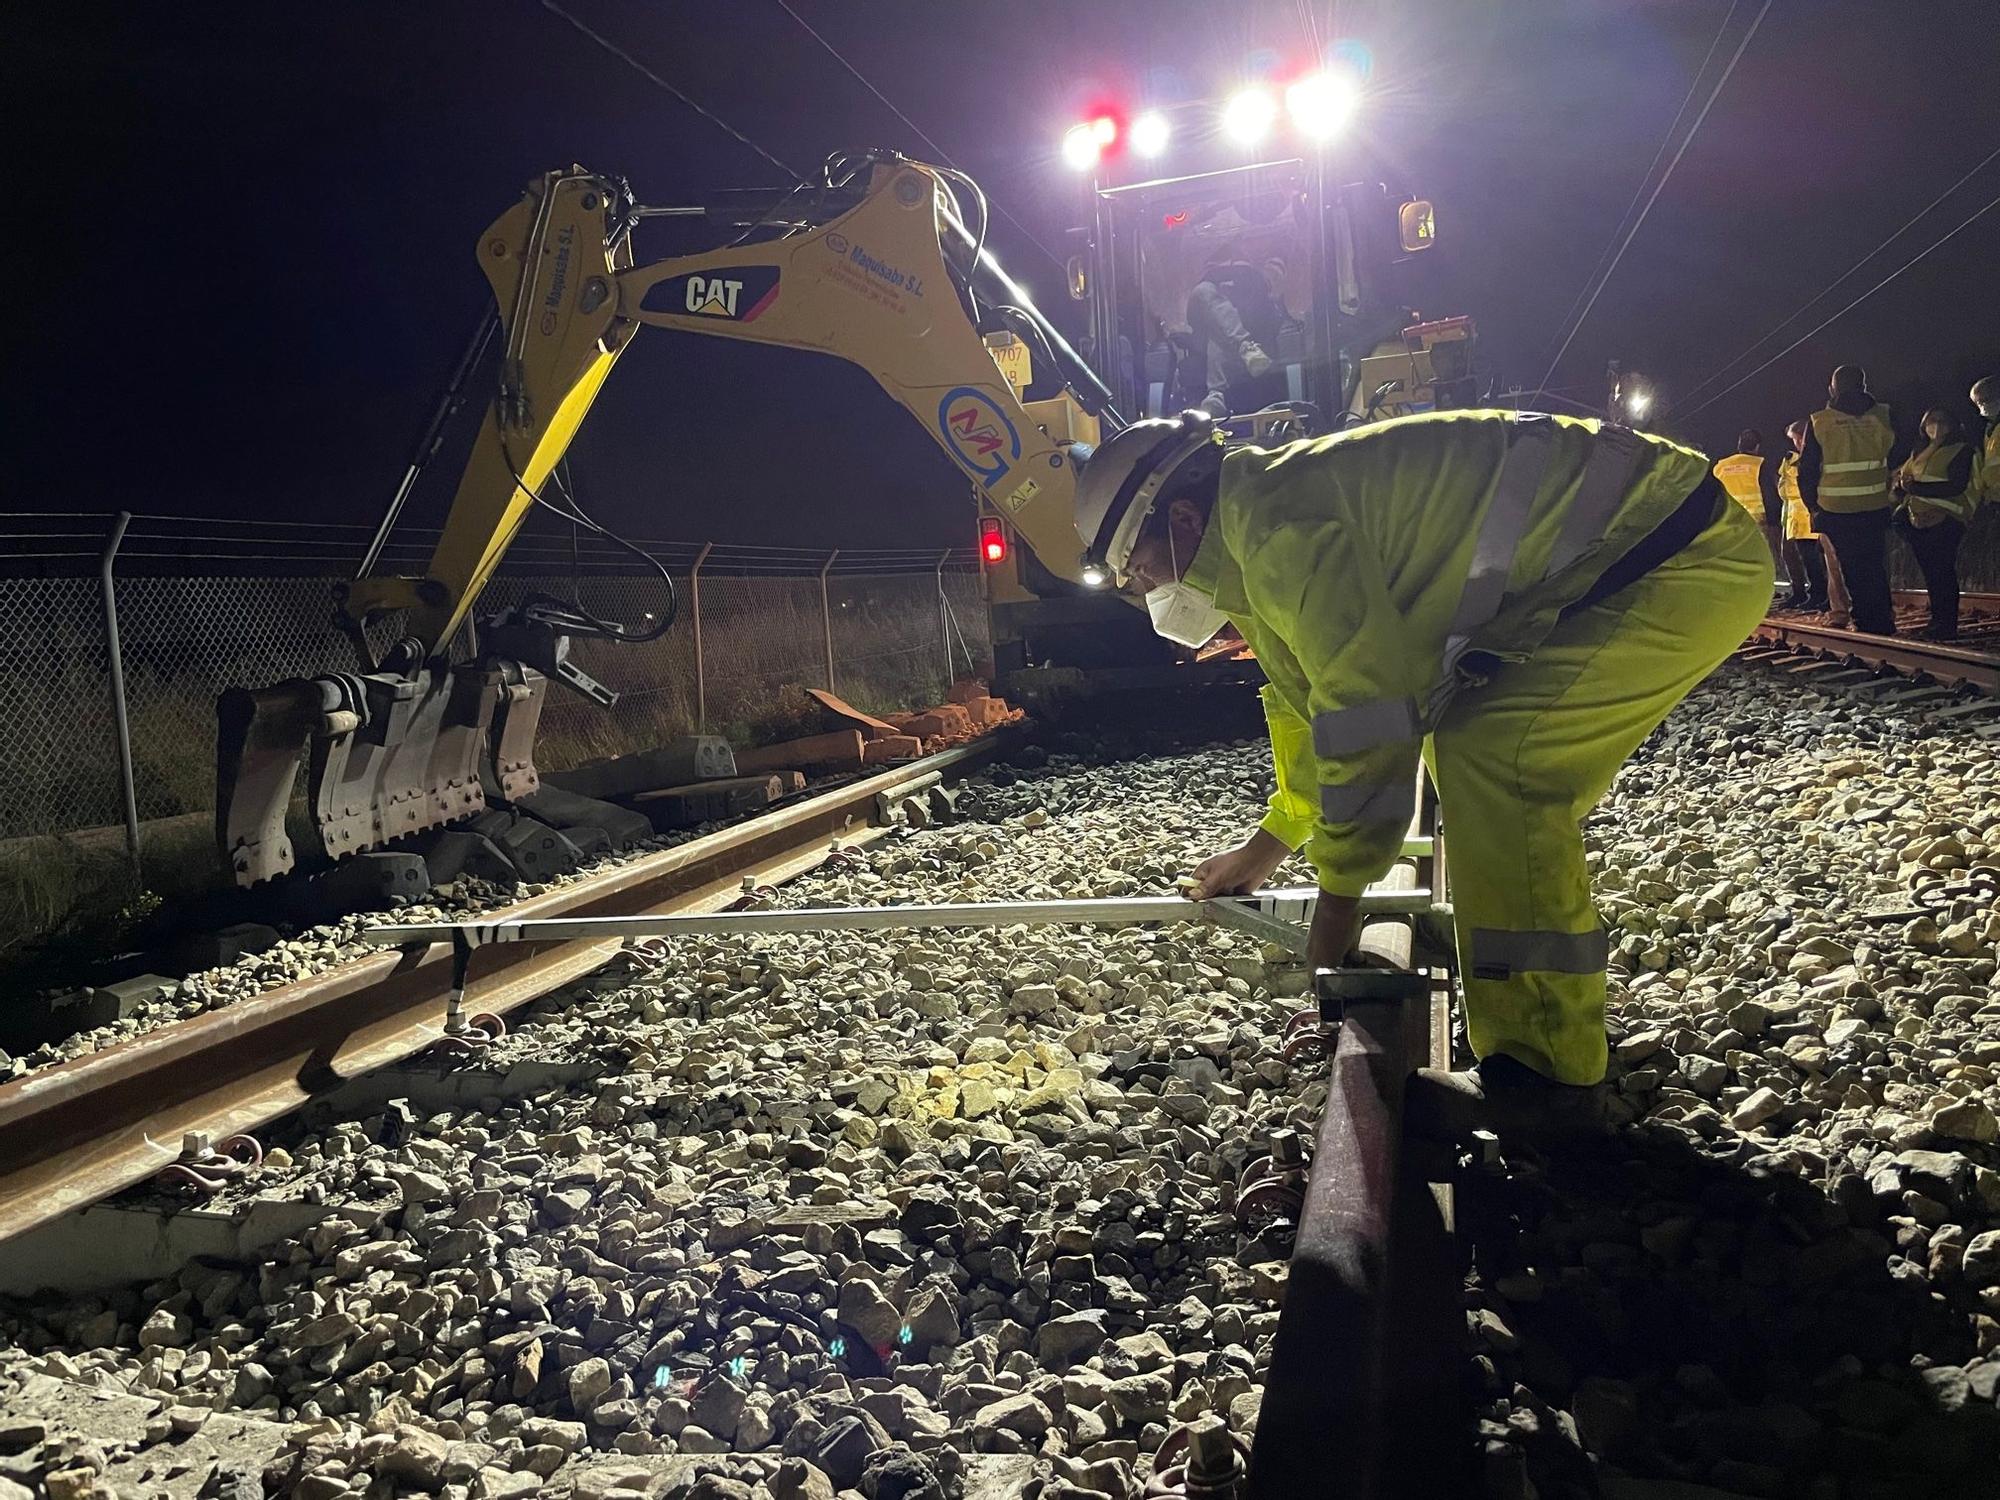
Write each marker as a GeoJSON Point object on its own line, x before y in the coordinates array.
{"type": "Point", "coordinates": [1238, 871]}
{"type": "Point", "coordinates": [1336, 920]}
{"type": "Point", "coordinates": [1255, 360]}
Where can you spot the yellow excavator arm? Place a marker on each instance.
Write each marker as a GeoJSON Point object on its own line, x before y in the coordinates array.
{"type": "Point", "coordinates": [876, 265]}
{"type": "Point", "coordinates": [881, 285]}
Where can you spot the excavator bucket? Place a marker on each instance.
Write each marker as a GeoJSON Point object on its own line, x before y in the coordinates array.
{"type": "Point", "coordinates": [390, 755]}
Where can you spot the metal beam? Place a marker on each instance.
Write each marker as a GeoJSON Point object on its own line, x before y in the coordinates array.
{"type": "Point", "coordinates": [1274, 915]}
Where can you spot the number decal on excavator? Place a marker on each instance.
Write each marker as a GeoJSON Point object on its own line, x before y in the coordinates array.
{"type": "Point", "coordinates": [978, 433]}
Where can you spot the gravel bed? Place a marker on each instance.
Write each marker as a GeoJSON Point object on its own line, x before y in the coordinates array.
{"type": "Point", "coordinates": [1783, 1277]}
{"type": "Point", "coordinates": [929, 1214]}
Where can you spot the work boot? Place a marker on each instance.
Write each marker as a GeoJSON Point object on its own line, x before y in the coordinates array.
{"type": "Point", "coordinates": [1506, 1097]}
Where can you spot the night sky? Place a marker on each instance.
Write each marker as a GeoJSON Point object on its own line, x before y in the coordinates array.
{"type": "Point", "coordinates": [243, 261]}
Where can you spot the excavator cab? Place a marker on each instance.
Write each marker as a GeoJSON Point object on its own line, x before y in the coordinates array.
{"type": "Point", "coordinates": [1271, 294]}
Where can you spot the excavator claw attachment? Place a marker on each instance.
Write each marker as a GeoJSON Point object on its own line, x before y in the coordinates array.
{"type": "Point", "coordinates": [391, 755]}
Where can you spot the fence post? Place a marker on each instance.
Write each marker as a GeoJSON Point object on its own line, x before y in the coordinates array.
{"type": "Point", "coordinates": [826, 615]}
{"type": "Point", "coordinates": [700, 669]}
{"type": "Point", "coordinates": [127, 786]}
{"type": "Point", "coordinates": [944, 614]}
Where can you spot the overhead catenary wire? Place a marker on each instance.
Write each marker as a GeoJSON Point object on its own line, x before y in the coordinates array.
{"type": "Point", "coordinates": [1638, 192]}
{"type": "Point", "coordinates": [916, 129]}
{"type": "Point", "coordinates": [654, 78]}
{"type": "Point", "coordinates": [1821, 295]}
{"type": "Point", "coordinates": [1827, 322]}
{"type": "Point", "coordinates": [1665, 177]}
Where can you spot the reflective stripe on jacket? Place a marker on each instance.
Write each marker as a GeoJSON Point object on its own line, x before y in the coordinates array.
{"type": "Point", "coordinates": [1738, 474]}
{"type": "Point", "coordinates": [1986, 473]}
{"type": "Point", "coordinates": [1932, 465]}
{"type": "Point", "coordinates": [1854, 462]}
{"type": "Point", "coordinates": [1377, 570]}
{"type": "Point", "coordinates": [1798, 521]}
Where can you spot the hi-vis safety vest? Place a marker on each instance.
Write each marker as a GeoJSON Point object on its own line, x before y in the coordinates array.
{"type": "Point", "coordinates": [1986, 468]}
{"type": "Point", "coordinates": [1933, 466]}
{"type": "Point", "coordinates": [1378, 570]}
{"type": "Point", "coordinates": [1854, 458]}
{"type": "Point", "coordinates": [1738, 474]}
{"type": "Point", "coordinates": [1798, 520]}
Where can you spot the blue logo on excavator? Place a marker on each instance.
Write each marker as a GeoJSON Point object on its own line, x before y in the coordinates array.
{"type": "Point", "coordinates": [978, 433]}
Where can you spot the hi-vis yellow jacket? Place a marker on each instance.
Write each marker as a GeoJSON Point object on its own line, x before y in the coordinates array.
{"type": "Point", "coordinates": [1986, 471]}
{"type": "Point", "coordinates": [1376, 571]}
{"type": "Point", "coordinates": [1854, 458]}
{"type": "Point", "coordinates": [1932, 464]}
{"type": "Point", "coordinates": [1738, 474]}
{"type": "Point", "coordinates": [1798, 520]}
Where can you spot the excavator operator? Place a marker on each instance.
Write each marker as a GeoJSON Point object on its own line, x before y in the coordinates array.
{"type": "Point", "coordinates": [1236, 318]}
{"type": "Point", "coordinates": [1520, 598]}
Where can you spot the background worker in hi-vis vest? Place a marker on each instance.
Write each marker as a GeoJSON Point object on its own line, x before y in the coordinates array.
{"type": "Point", "coordinates": [1986, 475]}
{"type": "Point", "coordinates": [1808, 555]}
{"type": "Point", "coordinates": [1935, 499]}
{"type": "Point", "coordinates": [1752, 482]}
{"type": "Point", "coordinates": [1850, 452]}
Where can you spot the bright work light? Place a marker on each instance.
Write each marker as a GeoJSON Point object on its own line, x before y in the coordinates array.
{"type": "Point", "coordinates": [1322, 104]}
{"type": "Point", "coordinates": [1080, 147]}
{"type": "Point", "coordinates": [1248, 116]}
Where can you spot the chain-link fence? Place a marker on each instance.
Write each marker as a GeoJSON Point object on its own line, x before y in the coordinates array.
{"type": "Point", "coordinates": [206, 605]}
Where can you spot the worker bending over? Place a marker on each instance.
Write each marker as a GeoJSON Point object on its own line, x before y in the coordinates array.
{"type": "Point", "coordinates": [1935, 498]}
{"type": "Point", "coordinates": [1752, 482]}
{"type": "Point", "coordinates": [1522, 598]}
{"type": "Point", "coordinates": [1844, 472]}
{"type": "Point", "coordinates": [1808, 555]}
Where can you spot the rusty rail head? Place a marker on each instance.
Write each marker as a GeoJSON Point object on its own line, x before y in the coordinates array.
{"type": "Point", "coordinates": [1951, 665]}
{"type": "Point", "coordinates": [1319, 1430]}
{"type": "Point", "coordinates": [81, 1131]}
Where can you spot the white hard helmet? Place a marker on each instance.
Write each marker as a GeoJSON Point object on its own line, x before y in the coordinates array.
{"type": "Point", "coordinates": [1124, 476]}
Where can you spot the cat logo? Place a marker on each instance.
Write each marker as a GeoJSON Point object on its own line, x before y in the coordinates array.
{"type": "Point", "coordinates": [713, 295]}
{"type": "Point", "coordinates": [736, 294]}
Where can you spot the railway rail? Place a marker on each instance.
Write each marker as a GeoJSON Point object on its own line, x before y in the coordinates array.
{"type": "Point", "coordinates": [76, 1133]}
{"type": "Point", "coordinates": [1808, 647]}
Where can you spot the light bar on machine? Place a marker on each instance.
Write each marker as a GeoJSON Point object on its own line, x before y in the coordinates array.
{"type": "Point", "coordinates": [1322, 104]}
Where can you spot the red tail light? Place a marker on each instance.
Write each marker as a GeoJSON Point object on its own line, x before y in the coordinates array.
{"type": "Point", "coordinates": [992, 541]}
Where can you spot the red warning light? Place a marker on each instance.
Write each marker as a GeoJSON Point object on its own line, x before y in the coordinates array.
{"type": "Point", "coordinates": [992, 541]}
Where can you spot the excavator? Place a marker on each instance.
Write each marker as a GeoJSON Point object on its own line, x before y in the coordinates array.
{"type": "Point", "coordinates": [880, 260]}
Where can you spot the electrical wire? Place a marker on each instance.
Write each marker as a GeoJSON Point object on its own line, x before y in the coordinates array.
{"type": "Point", "coordinates": [658, 82]}
{"type": "Point", "coordinates": [571, 512]}
{"type": "Point", "coordinates": [917, 130]}
{"type": "Point", "coordinates": [1912, 223]}
{"type": "Point", "coordinates": [1694, 83]}
{"type": "Point", "coordinates": [1694, 129]}
{"type": "Point", "coordinates": [1934, 244]}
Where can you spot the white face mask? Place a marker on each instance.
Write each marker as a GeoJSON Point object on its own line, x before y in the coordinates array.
{"type": "Point", "coordinates": [1181, 612]}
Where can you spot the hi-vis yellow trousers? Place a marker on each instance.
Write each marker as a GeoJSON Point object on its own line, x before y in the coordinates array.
{"type": "Point", "coordinates": [1520, 762]}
